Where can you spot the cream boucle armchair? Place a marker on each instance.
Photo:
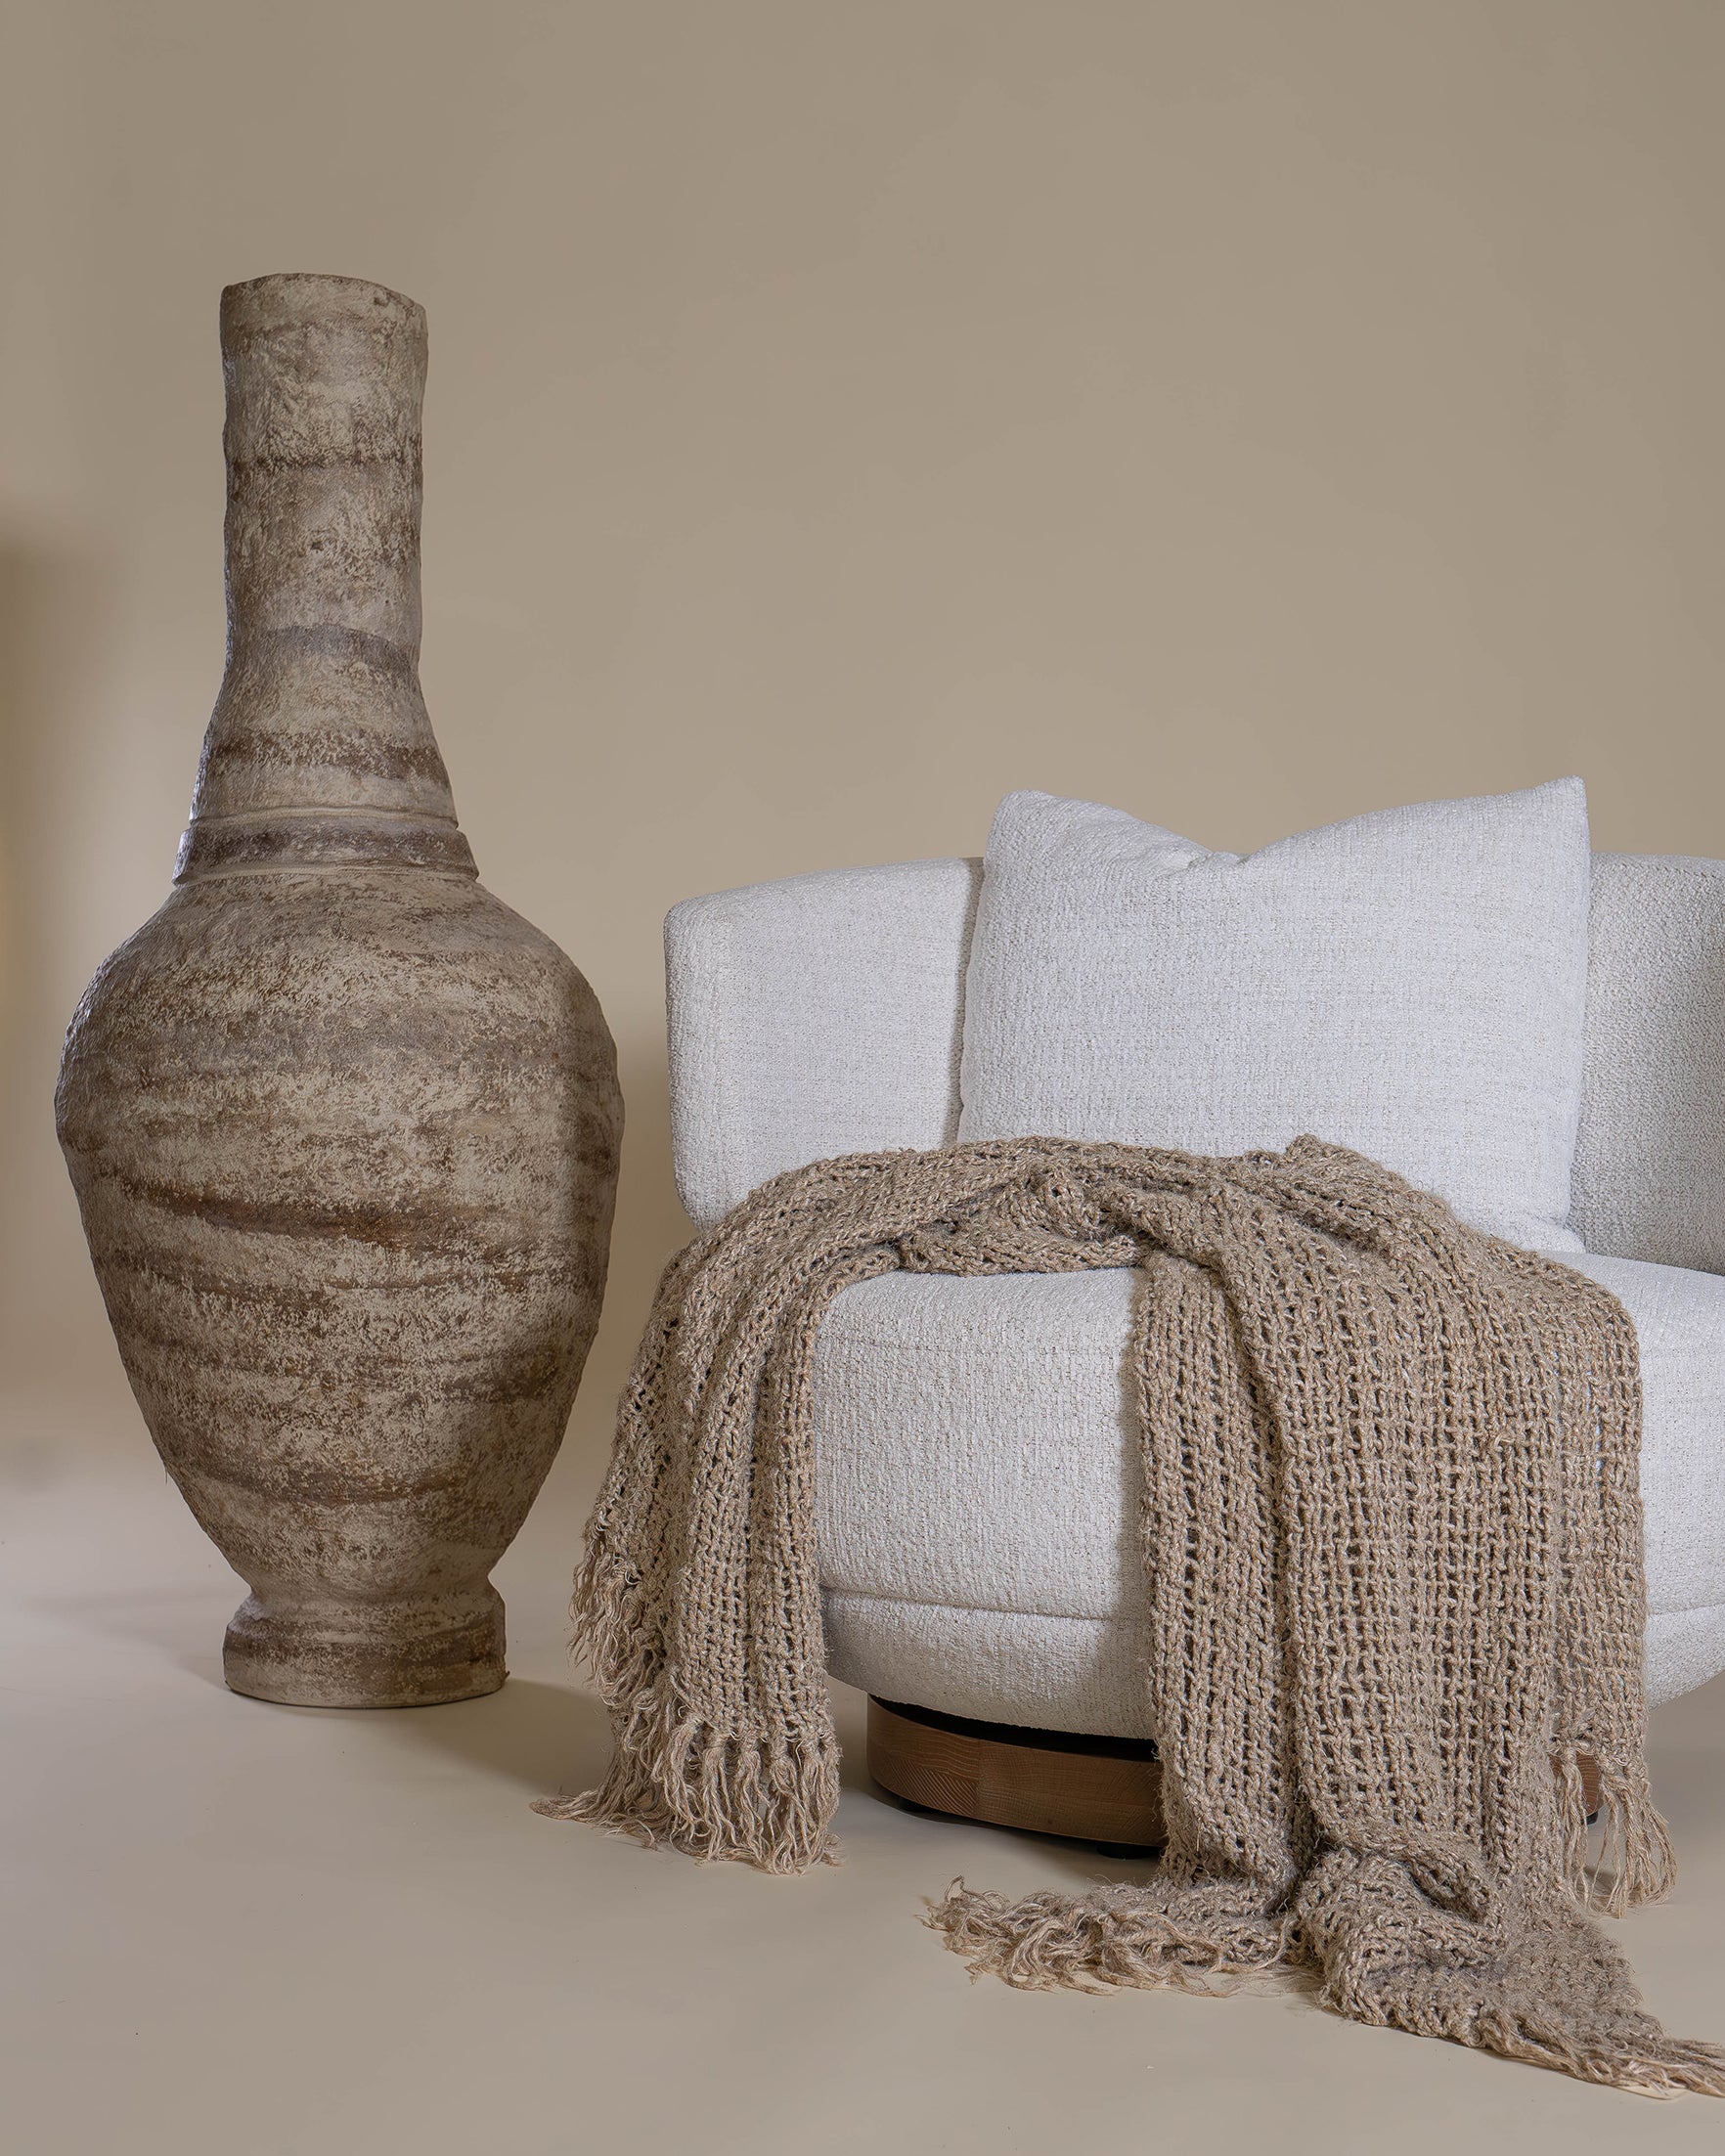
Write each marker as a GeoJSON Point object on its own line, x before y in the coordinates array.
{"type": "Point", "coordinates": [977, 1470]}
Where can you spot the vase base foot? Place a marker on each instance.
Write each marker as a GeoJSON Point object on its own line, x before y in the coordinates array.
{"type": "Point", "coordinates": [418, 1654]}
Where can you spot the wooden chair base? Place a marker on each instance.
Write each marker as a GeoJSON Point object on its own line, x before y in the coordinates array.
{"type": "Point", "coordinates": [1091, 1789]}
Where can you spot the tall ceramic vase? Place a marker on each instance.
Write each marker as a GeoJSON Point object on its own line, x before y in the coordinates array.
{"type": "Point", "coordinates": [343, 1128]}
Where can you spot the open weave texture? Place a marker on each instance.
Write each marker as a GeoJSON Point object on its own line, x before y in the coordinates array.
{"type": "Point", "coordinates": [1391, 1532]}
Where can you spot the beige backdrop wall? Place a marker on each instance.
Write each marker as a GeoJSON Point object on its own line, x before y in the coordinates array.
{"type": "Point", "coordinates": [1247, 413]}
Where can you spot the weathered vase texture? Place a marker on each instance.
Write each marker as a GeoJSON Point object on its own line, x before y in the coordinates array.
{"type": "Point", "coordinates": [343, 1128]}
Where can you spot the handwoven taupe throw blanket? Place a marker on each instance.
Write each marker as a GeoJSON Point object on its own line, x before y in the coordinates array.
{"type": "Point", "coordinates": [1392, 1529]}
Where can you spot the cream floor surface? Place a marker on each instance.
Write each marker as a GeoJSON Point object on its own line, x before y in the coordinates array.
{"type": "Point", "coordinates": [255, 1930]}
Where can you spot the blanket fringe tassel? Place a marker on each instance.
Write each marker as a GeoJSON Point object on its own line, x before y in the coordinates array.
{"type": "Point", "coordinates": [1636, 1862]}
{"type": "Point", "coordinates": [1646, 2063]}
{"type": "Point", "coordinates": [676, 1781]}
{"type": "Point", "coordinates": [1200, 1941]}
{"type": "Point", "coordinates": [1188, 1938]}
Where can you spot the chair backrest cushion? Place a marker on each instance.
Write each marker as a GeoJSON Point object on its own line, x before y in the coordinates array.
{"type": "Point", "coordinates": [813, 1016]}
{"type": "Point", "coordinates": [825, 1015]}
{"type": "Point", "coordinates": [1411, 982]}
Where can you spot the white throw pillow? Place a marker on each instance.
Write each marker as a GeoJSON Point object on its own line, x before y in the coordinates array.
{"type": "Point", "coordinates": [1412, 984]}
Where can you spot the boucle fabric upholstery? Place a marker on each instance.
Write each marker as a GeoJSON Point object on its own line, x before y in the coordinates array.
{"type": "Point", "coordinates": [822, 1015]}
{"type": "Point", "coordinates": [979, 1483]}
{"type": "Point", "coordinates": [1650, 1155]}
{"type": "Point", "coordinates": [992, 1665]}
{"type": "Point", "coordinates": [1392, 1540]}
{"type": "Point", "coordinates": [1411, 982]}
{"type": "Point", "coordinates": [813, 1017]}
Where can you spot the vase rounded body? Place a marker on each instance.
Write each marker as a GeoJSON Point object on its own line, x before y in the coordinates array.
{"type": "Point", "coordinates": [343, 1128]}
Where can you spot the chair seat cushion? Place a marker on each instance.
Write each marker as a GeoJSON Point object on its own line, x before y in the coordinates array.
{"type": "Point", "coordinates": [979, 1488]}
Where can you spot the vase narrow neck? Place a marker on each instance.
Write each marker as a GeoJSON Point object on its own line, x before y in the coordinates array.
{"type": "Point", "coordinates": [320, 751]}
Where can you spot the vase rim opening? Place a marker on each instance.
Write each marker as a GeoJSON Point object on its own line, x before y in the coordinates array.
{"type": "Point", "coordinates": [307, 291]}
